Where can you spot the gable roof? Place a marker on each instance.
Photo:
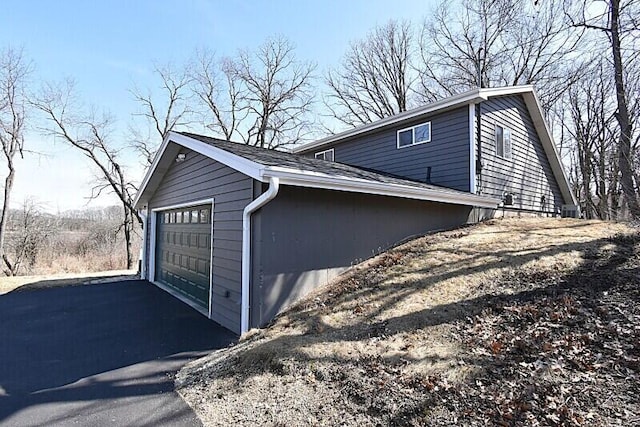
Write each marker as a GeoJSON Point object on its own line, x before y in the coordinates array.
{"type": "Point", "coordinates": [296, 170]}
{"type": "Point", "coordinates": [473, 96]}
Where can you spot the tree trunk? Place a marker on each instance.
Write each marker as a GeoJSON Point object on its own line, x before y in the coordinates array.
{"type": "Point", "coordinates": [624, 159]}
{"type": "Point", "coordinates": [8, 185]}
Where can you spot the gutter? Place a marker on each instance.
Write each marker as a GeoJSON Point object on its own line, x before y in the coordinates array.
{"type": "Point", "coordinates": [266, 197]}
{"type": "Point", "coordinates": [317, 180]}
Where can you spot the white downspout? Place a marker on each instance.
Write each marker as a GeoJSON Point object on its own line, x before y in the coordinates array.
{"type": "Point", "coordinates": [143, 249]}
{"type": "Point", "coordinates": [272, 191]}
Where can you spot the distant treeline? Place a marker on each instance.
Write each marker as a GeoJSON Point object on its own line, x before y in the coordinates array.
{"type": "Point", "coordinates": [71, 241]}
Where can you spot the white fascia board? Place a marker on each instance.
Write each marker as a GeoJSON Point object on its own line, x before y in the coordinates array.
{"type": "Point", "coordinates": [245, 166]}
{"type": "Point", "coordinates": [472, 96]}
{"type": "Point", "coordinates": [150, 171]}
{"type": "Point", "coordinates": [537, 115]}
{"type": "Point", "coordinates": [329, 182]}
{"type": "Point", "coordinates": [507, 90]}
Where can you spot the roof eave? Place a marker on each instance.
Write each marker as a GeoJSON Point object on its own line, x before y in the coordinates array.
{"type": "Point", "coordinates": [338, 183]}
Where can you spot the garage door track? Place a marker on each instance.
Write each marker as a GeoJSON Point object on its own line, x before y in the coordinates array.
{"type": "Point", "coordinates": [98, 354]}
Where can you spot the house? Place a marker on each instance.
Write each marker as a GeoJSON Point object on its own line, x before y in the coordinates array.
{"type": "Point", "coordinates": [239, 233]}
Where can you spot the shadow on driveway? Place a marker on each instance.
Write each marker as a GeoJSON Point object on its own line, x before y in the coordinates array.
{"type": "Point", "coordinates": [97, 354]}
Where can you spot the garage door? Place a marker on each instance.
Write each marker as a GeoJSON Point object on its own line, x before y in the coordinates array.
{"type": "Point", "coordinates": [183, 252]}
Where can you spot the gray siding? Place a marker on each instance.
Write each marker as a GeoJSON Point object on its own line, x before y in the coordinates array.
{"type": "Point", "coordinates": [200, 178]}
{"type": "Point", "coordinates": [527, 175]}
{"type": "Point", "coordinates": [447, 154]}
{"type": "Point", "coordinates": [305, 237]}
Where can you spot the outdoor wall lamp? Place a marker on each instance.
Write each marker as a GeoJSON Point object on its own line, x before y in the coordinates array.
{"type": "Point", "coordinates": [181, 157]}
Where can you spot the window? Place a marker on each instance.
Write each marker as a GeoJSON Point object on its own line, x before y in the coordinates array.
{"type": "Point", "coordinates": [327, 155]}
{"type": "Point", "coordinates": [172, 217]}
{"type": "Point", "coordinates": [503, 142]}
{"type": "Point", "coordinates": [178, 217]}
{"type": "Point", "coordinates": [419, 134]}
{"type": "Point", "coordinates": [204, 216]}
{"type": "Point", "coordinates": [194, 216]}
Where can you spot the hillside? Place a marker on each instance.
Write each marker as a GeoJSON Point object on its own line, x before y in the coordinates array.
{"type": "Point", "coordinates": [509, 322]}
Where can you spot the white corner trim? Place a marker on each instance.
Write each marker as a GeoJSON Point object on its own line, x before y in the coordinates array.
{"type": "Point", "coordinates": [472, 149]}
{"type": "Point", "coordinates": [263, 199]}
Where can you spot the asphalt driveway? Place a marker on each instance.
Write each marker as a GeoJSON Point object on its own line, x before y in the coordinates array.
{"type": "Point", "coordinates": [98, 354]}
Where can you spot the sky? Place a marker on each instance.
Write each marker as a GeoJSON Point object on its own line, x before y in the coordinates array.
{"type": "Point", "coordinates": [108, 46]}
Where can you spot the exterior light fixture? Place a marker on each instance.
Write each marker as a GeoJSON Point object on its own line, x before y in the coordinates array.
{"type": "Point", "coordinates": [181, 157]}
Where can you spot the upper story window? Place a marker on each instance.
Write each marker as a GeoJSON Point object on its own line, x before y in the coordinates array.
{"type": "Point", "coordinates": [325, 155]}
{"type": "Point", "coordinates": [503, 142]}
{"type": "Point", "coordinates": [419, 134]}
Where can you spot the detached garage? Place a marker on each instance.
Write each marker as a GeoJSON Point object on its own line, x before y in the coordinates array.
{"type": "Point", "coordinates": [239, 233]}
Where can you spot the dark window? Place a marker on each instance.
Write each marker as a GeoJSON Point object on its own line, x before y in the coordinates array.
{"type": "Point", "coordinates": [418, 134]}
{"type": "Point", "coordinates": [327, 155]}
{"type": "Point", "coordinates": [405, 138]}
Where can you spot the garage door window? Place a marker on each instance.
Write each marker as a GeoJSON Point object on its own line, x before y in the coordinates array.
{"type": "Point", "coordinates": [204, 216]}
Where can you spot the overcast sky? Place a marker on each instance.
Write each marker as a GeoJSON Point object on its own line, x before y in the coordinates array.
{"type": "Point", "coordinates": [106, 46]}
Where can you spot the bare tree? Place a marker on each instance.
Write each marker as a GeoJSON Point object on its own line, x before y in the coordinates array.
{"type": "Point", "coordinates": [268, 95]}
{"type": "Point", "coordinates": [31, 230]}
{"type": "Point", "coordinates": [618, 22]}
{"type": "Point", "coordinates": [375, 78]}
{"type": "Point", "coordinates": [89, 133]}
{"type": "Point", "coordinates": [14, 71]}
{"type": "Point", "coordinates": [220, 94]}
{"type": "Point", "coordinates": [590, 125]}
{"type": "Point", "coordinates": [476, 43]}
{"type": "Point", "coordinates": [168, 110]}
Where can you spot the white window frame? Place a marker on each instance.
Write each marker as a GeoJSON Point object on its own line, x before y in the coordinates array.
{"type": "Point", "coordinates": [413, 136]}
{"type": "Point", "coordinates": [323, 154]}
{"type": "Point", "coordinates": [505, 130]}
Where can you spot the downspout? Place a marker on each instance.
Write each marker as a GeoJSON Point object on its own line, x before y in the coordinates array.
{"type": "Point", "coordinates": [143, 249]}
{"type": "Point", "coordinates": [272, 191]}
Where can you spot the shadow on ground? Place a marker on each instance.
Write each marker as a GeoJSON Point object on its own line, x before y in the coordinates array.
{"type": "Point", "coordinates": [110, 348]}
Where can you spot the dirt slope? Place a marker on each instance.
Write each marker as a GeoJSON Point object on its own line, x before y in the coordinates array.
{"type": "Point", "coordinates": [510, 322]}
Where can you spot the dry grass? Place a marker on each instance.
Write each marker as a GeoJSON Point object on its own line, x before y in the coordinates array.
{"type": "Point", "coordinates": [327, 359]}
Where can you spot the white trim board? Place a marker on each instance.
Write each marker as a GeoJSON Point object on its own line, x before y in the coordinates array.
{"type": "Point", "coordinates": [472, 149]}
